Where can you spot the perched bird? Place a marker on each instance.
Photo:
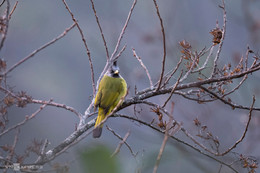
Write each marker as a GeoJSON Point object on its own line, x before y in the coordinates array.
{"type": "Point", "coordinates": [112, 88]}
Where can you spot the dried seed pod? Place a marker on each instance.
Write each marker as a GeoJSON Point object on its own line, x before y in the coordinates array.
{"type": "Point", "coordinates": [217, 35]}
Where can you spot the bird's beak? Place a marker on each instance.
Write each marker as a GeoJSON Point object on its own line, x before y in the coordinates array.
{"type": "Point", "coordinates": [116, 72]}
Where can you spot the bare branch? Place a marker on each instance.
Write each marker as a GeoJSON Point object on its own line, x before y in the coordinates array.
{"type": "Point", "coordinates": [222, 39]}
{"type": "Point", "coordinates": [233, 105]}
{"type": "Point", "coordinates": [246, 60]}
{"type": "Point", "coordinates": [142, 64]}
{"type": "Point", "coordinates": [120, 145]}
{"type": "Point", "coordinates": [206, 61]}
{"type": "Point", "coordinates": [172, 91]}
{"type": "Point", "coordinates": [86, 46]}
{"type": "Point", "coordinates": [166, 136]}
{"type": "Point", "coordinates": [123, 141]}
{"type": "Point", "coordinates": [123, 30]}
{"type": "Point", "coordinates": [120, 53]}
{"type": "Point", "coordinates": [197, 142]}
{"type": "Point", "coordinates": [3, 1]}
{"type": "Point", "coordinates": [173, 72]}
{"type": "Point", "coordinates": [39, 49]}
{"type": "Point", "coordinates": [27, 118]}
{"type": "Point", "coordinates": [100, 28]}
{"type": "Point", "coordinates": [237, 87]}
{"type": "Point", "coordinates": [244, 133]}
{"type": "Point", "coordinates": [196, 57]}
{"type": "Point", "coordinates": [59, 105]}
{"type": "Point", "coordinates": [12, 11]}
{"type": "Point", "coordinates": [11, 154]}
{"type": "Point", "coordinates": [164, 44]}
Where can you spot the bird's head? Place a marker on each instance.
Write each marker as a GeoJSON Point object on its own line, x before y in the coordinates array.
{"type": "Point", "coordinates": [114, 70]}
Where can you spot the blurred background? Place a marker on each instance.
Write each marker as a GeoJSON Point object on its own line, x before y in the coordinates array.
{"type": "Point", "coordinates": [62, 72]}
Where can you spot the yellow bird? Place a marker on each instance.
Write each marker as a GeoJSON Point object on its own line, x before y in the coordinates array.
{"type": "Point", "coordinates": [112, 88]}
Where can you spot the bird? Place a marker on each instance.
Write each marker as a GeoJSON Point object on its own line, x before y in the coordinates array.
{"type": "Point", "coordinates": [112, 88]}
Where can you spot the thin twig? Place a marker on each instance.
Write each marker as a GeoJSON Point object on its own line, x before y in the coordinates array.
{"type": "Point", "coordinates": [100, 28]}
{"type": "Point", "coordinates": [86, 46]}
{"type": "Point", "coordinates": [186, 95]}
{"type": "Point", "coordinates": [12, 11]}
{"type": "Point", "coordinates": [246, 60]}
{"type": "Point", "coordinates": [172, 91]}
{"type": "Point", "coordinates": [43, 150]}
{"type": "Point", "coordinates": [11, 154]}
{"type": "Point", "coordinates": [244, 133]}
{"type": "Point", "coordinates": [173, 72]}
{"type": "Point", "coordinates": [191, 68]}
{"type": "Point", "coordinates": [142, 64]}
{"type": "Point", "coordinates": [164, 44]}
{"type": "Point", "coordinates": [27, 118]}
{"type": "Point", "coordinates": [206, 61]}
{"type": "Point", "coordinates": [197, 142]}
{"type": "Point", "coordinates": [166, 136]}
{"type": "Point", "coordinates": [222, 39]}
{"type": "Point", "coordinates": [39, 49]}
{"type": "Point", "coordinates": [123, 141]}
{"type": "Point", "coordinates": [123, 30]}
{"type": "Point", "coordinates": [120, 53]}
{"type": "Point", "coordinates": [3, 1]}
{"type": "Point", "coordinates": [59, 105]}
{"type": "Point", "coordinates": [232, 105]}
{"type": "Point", "coordinates": [237, 87]}
{"type": "Point", "coordinates": [219, 171]}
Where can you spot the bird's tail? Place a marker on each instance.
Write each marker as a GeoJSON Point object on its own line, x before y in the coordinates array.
{"type": "Point", "coordinates": [98, 128]}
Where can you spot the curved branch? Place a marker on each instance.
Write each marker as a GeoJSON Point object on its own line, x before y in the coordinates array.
{"type": "Point", "coordinates": [85, 44]}
{"type": "Point", "coordinates": [164, 44]}
{"type": "Point", "coordinates": [100, 28]}
{"type": "Point", "coordinates": [233, 105]}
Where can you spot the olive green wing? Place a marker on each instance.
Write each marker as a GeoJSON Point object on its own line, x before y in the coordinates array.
{"type": "Point", "coordinates": [99, 92]}
{"type": "Point", "coordinates": [121, 90]}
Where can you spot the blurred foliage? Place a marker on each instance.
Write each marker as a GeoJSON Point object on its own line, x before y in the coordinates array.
{"type": "Point", "coordinates": [98, 159]}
